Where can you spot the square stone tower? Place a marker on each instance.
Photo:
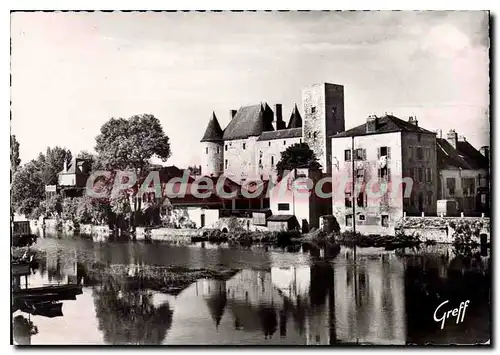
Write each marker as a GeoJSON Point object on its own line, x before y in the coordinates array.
{"type": "Point", "coordinates": [323, 107]}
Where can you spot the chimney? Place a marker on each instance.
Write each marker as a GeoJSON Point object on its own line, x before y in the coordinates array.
{"type": "Point", "coordinates": [231, 114]}
{"type": "Point", "coordinates": [278, 117]}
{"type": "Point", "coordinates": [462, 139]}
{"type": "Point", "coordinates": [371, 123]}
{"type": "Point", "coordinates": [485, 150]}
{"type": "Point", "coordinates": [413, 120]}
{"type": "Point", "coordinates": [452, 138]}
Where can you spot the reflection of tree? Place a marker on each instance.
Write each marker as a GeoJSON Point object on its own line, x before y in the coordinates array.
{"type": "Point", "coordinates": [268, 319]}
{"type": "Point", "coordinates": [128, 316]}
{"type": "Point", "coordinates": [54, 272]}
{"type": "Point", "coordinates": [216, 301]}
{"type": "Point", "coordinates": [23, 330]}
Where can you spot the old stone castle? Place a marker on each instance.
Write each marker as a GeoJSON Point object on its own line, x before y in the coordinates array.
{"type": "Point", "coordinates": [251, 144]}
{"type": "Point", "coordinates": [441, 173]}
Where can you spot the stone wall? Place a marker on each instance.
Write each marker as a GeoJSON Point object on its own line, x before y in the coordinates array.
{"type": "Point", "coordinates": [441, 229]}
{"type": "Point", "coordinates": [167, 234]}
{"type": "Point", "coordinates": [323, 107]}
{"type": "Point", "coordinates": [242, 223]}
{"type": "Point", "coordinates": [212, 158]}
{"type": "Point", "coordinates": [240, 157]}
{"type": "Point", "coordinates": [272, 148]}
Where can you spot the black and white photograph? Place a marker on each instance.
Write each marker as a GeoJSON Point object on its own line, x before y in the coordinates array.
{"type": "Point", "coordinates": [250, 178]}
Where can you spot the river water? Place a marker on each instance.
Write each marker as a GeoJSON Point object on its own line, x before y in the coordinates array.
{"type": "Point", "coordinates": [297, 296]}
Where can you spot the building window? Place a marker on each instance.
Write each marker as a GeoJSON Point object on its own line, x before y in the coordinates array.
{"type": "Point", "coordinates": [429, 175]}
{"type": "Point", "coordinates": [360, 174]}
{"type": "Point", "coordinates": [348, 220]}
{"type": "Point", "coordinates": [348, 199]}
{"type": "Point", "coordinates": [420, 153]}
{"type": "Point", "coordinates": [221, 166]}
{"type": "Point", "coordinates": [429, 198]}
{"type": "Point", "coordinates": [226, 163]}
{"type": "Point", "coordinates": [361, 199]}
{"type": "Point", "coordinates": [313, 109]}
{"type": "Point", "coordinates": [272, 160]}
{"type": "Point", "coordinates": [244, 146]}
{"type": "Point", "coordinates": [385, 220]}
{"type": "Point", "coordinates": [206, 150]}
{"type": "Point", "coordinates": [284, 142]}
{"type": "Point", "coordinates": [410, 152]}
{"type": "Point", "coordinates": [450, 186]}
{"type": "Point", "coordinates": [347, 155]}
{"type": "Point", "coordinates": [217, 150]}
{"type": "Point", "coordinates": [315, 135]}
{"type": "Point", "coordinates": [268, 144]}
{"type": "Point", "coordinates": [384, 152]}
{"type": "Point", "coordinates": [419, 137]}
{"type": "Point", "coordinates": [421, 175]}
{"type": "Point", "coordinates": [468, 186]}
{"type": "Point", "coordinates": [360, 154]}
{"type": "Point", "coordinates": [300, 140]}
{"type": "Point", "coordinates": [225, 147]}
{"type": "Point", "coordinates": [421, 202]}
{"type": "Point", "coordinates": [283, 206]}
{"type": "Point", "coordinates": [362, 217]}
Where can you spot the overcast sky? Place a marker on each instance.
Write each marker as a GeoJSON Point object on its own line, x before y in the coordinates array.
{"type": "Point", "coordinates": [71, 72]}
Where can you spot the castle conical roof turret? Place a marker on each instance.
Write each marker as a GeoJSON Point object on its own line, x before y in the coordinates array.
{"type": "Point", "coordinates": [213, 133]}
{"type": "Point", "coordinates": [295, 119]}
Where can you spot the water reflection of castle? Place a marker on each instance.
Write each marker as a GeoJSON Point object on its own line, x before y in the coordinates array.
{"type": "Point", "coordinates": [325, 303]}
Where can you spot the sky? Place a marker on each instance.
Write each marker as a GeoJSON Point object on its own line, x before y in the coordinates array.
{"type": "Point", "coordinates": [71, 72]}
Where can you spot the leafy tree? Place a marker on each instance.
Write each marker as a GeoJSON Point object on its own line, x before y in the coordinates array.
{"type": "Point", "coordinates": [52, 207]}
{"type": "Point", "coordinates": [52, 163]}
{"type": "Point", "coordinates": [15, 161]}
{"type": "Point", "coordinates": [69, 208]}
{"type": "Point", "coordinates": [295, 156]}
{"type": "Point", "coordinates": [195, 170]}
{"type": "Point", "coordinates": [91, 210]}
{"type": "Point", "coordinates": [94, 162]}
{"type": "Point", "coordinates": [27, 189]}
{"type": "Point", "coordinates": [129, 144]}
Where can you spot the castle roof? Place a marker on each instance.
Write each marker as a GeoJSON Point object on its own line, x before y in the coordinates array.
{"type": "Point", "coordinates": [295, 118]}
{"type": "Point", "coordinates": [385, 124]}
{"type": "Point", "coordinates": [213, 133]}
{"type": "Point", "coordinates": [465, 156]}
{"type": "Point", "coordinates": [249, 121]}
{"type": "Point", "coordinates": [281, 134]}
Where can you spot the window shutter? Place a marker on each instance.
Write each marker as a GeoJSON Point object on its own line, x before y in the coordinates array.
{"type": "Point", "coordinates": [388, 152]}
{"type": "Point", "coordinates": [364, 154]}
{"type": "Point", "coordinates": [378, 153]}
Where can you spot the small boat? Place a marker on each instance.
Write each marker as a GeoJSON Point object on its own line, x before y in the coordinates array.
{"type": "Point", "coordinates": [48, 293]}
{"type": "Point", "coordinates": [48, 309]}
